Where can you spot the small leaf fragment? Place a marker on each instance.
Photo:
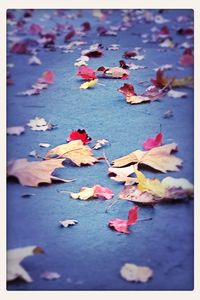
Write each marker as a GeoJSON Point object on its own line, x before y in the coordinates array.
{"type": "Point", "coordinates": [132, 272]}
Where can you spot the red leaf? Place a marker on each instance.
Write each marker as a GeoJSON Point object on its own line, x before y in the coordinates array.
{"type": "Point", "coordinates": [164, 32]}
{"type": "Point", "coordinates": [122, 225]}
{"type": "Point", "coordinates": [47, 77]}
{"type": "Point", "coordinates": [69, 35]}
{"type": "Point", "coordinates": [19, 48]}
{"type": "Point", "coordinates": [35, 29]}
{"type": "Point", "coordinates": [185, 31]}
{"type": "Point", "coordinates": [79, 134]}
{"type": "Point", "coordinates": [127, 90]}
{"type": "Point", "coordinates": [86, 73]}
{"type": "Point", "coordinates": [187, 59]}
{"type": "Point", "coordinates": [133, 215]}
{"type": "Point", "coordinates": [104, 192]}
{"type": "Point", "coordinates": [86, 26]}
{"type": "Point", "coordinates": [153, 142]}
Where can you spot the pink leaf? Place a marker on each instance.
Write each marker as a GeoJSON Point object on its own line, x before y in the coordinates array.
{"type": "Point", "coordinates": [19, 48]}
{"type": "Point", "coordinates": [187, 59]}
{"type": "Point", "coordinates": [35, 29]}
{"type": "Point", "coordinates": [86, 73]}
{"type": "Point", "coordinates": [153, 142]}
{"type": "Point", "coordinates": [104, 192]}
{"type": "Point", "coordinates": [122, 225]}
{"type": "Point", "coordinates": [47, 77]}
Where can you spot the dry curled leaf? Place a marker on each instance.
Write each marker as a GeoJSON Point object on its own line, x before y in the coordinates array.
{"type": "Point", "coordinates": [114, 72]}
{"type": "Point", "coordinates": [162, 81]}
{"type": "Point", "coordinates": [132, 272]}
{"type": "Point", "coordinates": [159, 158]}
{"type": "Point", "coordinates": [97, 191]}
{"type": "Point", "coordinates": [17, 130]}
{"type": "Point", "coordinates": [67, 223]}
{"type": "Point", "coordinates": [122, 174]}
{"type": "Point", "coordinates": [153, 191]}
{"type": "Point", "coordinates": [32, 173]}
{"type": "Point", "coordinates": [14, 259]}
{"type": "Point", "coordinates": [100, 143]}
{"type": "Point", "coordinates": [76, 151]}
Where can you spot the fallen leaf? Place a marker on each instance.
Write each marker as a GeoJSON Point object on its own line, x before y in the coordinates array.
{"type": "Point", "coordinates": [97, 191]}
{"type": "Point", "coordinates": [79, 134]}
{"type": "Point", "coordinates": [114, 72]}
{"type": "Point", "coordinates": [122, 174]}
{"type": "Point", "coordinates": [34, 60]}
{"type": "Point", "coordinates": [47, 77]}
{"type": "Point", "coordinates": [19, 48]}
{"type": "Point", "coordinates": [39, 124]}
{"type": "Point", "coordinates": [17, 130]}
{"type": "Point", "coordinates": [168, 114]}
{"type": "Point", "coordinates": [167, 43]}
{"type": "Point", "coordinates": [88, 84]}
{"type": "Point", "coordinates": [76, 151]}
{"type": "Point", "coordinates": [93, 51]}
{"type": "Point", "coordinates": [32, 173]}
{"type": "Point", "coordinates": [151, 94]}
{"type": "Point", "coordinates": [132, 272]}
{"type": "Point", "coordinates": [69, 35]}
{"type": "Point", "coordinates": [86, 73]}
{"type": "Point", "coordinates": [136, 53]}
{"type": "Point", "coordinates": [67, 223]}
{"type": "Point", "coordinates": [14, 259]}
{"type": "Point", "coordinates": [50, 275]}
{"type": "Point", "coordinates": [122, 225]}
{"type": "Point", "coordinates": [176, 94]}
{"type": "Point", "coordinates": [44, 145]}
{"type": "Point", "coordinates": [35, 29]}
{"type": "Point", "coordinates": [153, 191]}
{"type": "Point", "coordinates": [153, 142]}
{"type": "Point", "coordinates": [162, 81]}
{"type": "Point", "coordinates": [187, 59]}
{"type": "Point", "coordinates": [158, 158]}
{"type": "Point", "coordinates": [100, 143]}
{"type": "Point", "coordinates": [30, 92]}
{"type": "Point", "coordinates": [81, 61]}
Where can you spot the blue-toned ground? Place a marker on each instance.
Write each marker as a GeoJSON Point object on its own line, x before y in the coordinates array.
{"type": "Point", "coordinates": [89, 256]}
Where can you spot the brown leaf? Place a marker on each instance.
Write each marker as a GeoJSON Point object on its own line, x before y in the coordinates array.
{"type": "Point", "coordinates": [14, 258]}
{"type": "Point", "coordinates": [158, 158]}
{"type": "Point", "coordinates": [34, 172]}
{"type": "Point", "coordinates": [76, 151]}
{"type": "Point", "coordinates": [132, 272]}
{"type": "Point", "coordinates": [132, 193]}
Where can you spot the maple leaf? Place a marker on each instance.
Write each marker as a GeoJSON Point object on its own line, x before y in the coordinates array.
{"type": "Point", "coordinates": [151, 94]}
{"type": "Point", "coordinates": [88, 84]}
{"type": "Point", "coordinates": [79, 134]}
{"type": "Point", "coordinates": [17, 130]}
{"type": "Point", "coordinates": [97, 191]}
{"type": "Point", "coordinates": [32, 173]}
{"type": "Point", "coordinates": [67, 223]}
{"type": "Point", "coordinates": [14, 259]}
{"type": "Point", "coordinates": [122, 174]}
{"type": "Point", "coordinates": [153, 191]}
{"type": "Point", "coordinates": [76, 151]}
{"type": "Point", "coordinates": [162, 81]}
{"type": "Point", "coordinates": [153, 142]}
{"type": "Point", "coordinates": [114, 72]}
{"type": "Point", "coordinates": [86, 73]}
{"type": "Point", "coordinates": [158, 158]}
{"type": "Point", "coordinates": [121, 225]}
{"type": "Point", "coordinates": [47, 77]}
{"type": "Point", "coordinates": [40, 124]}
{"type": "Point", "coordinates": [132, 272]}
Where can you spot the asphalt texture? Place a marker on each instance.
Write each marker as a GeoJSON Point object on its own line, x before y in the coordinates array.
{"type": "Point", "coordinates": [89, 256]}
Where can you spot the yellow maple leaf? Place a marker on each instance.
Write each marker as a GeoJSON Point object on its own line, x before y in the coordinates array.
{"type": "Point", "coordinates": [76, 151]}
{"type": "Point", "coordinates": [84, 194]}
{"type": "Point", "coordinates": [153, 186]}
{"type": "Point", "coordinates": [88, 84]}
{"type": "Point", "coordinates": [158, 158]}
